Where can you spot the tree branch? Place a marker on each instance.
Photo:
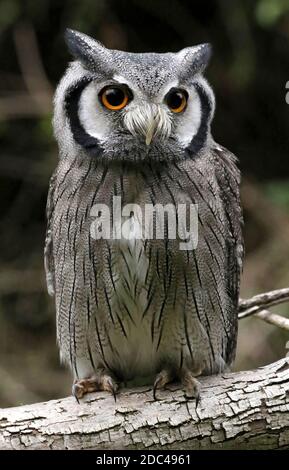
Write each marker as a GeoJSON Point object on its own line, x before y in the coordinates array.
{"type": "Point", "coordinates": [258, 302]}
{"type": "Point", "coordinates": [239, 410]}
{"type": "Point", "coordinates": [255, 306]}
{"type": "Point", "coordinates": [243, 410]}
{"type": "Point", "coordinates": [273, 319]}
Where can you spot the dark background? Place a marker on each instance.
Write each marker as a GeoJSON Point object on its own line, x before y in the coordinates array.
{"type": "Point", "coordinates": [249, 71]}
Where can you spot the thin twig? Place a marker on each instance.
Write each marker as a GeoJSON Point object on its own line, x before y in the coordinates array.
{"type": "Point", "coordinates": [38, 99]}
{"type": "Point", "coordinates": [258, 302]}
{"type": "Point", "coordinates": [31, 65]}
{"type": "Point", "coordinates": [255, 306]}
{"type": "Point", "coordinates": [273, 319]}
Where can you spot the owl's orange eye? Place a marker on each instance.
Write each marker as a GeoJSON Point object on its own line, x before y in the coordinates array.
{"type": "Point", "coordinates": [176, 100]}
{"type": "Point", "coordinates": [114, 98]}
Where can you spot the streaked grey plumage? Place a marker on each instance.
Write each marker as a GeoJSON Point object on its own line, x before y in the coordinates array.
{"type": "Point", "coordinates": [135, 308]}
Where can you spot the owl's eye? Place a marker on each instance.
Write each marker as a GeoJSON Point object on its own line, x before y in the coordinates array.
{"type": "Point", "coordinates": [176, 100]}
{"type": "Point", "coordinates": [114, 98]}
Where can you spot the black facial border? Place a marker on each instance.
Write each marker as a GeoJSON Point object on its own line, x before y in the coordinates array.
{"type": "Point", "coordinates": [72, 97]}
{"type": "Point", "coordinates": [199, 139]}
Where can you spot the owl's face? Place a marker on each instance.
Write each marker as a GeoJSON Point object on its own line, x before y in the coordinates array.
{"type": "Point", "coordinates": [118, 105]}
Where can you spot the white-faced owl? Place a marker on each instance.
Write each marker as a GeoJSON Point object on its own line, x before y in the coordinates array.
{"type": "Point", "coordinates": [135, 128]}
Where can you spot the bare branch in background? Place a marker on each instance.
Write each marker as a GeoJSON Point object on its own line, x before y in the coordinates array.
{"type": "Point", "coordinates": [273, 319]}
{"type": "Point", "coordinates": [38, 100]}
{"type": "Point", "coordinates": [255, 306]}
{"type": "Point", "coordinates": [31, 65]}
{"type": "Point", "coordinates": [267, 299]}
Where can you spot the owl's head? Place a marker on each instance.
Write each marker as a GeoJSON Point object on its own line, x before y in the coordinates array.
{"type": "Point", "coordinates": [118, 105]}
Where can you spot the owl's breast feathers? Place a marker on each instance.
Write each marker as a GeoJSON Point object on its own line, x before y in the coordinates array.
{"type": "Point", "coordinates": [132, 305]}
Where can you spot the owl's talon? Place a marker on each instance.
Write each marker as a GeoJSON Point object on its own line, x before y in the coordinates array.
{"type": "Point", "coordinates": [192, 386]}
{"type": "Point", "coordinates": [196, 396]}
{"type": "Point", "coordinates": [162, 379]}
{"type": "Point", "coordinates": [155, 391]}
{"type": "Point", "coordinates": [110, 386]}
{"type": "Point", "coordinates": [77, 391]}
{"type": "Point", "coordinates": [98, 383]}
{"type": "Point", "coordinates": [75, 395]}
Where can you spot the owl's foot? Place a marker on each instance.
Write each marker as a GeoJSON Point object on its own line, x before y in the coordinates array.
{"type": "Point", "coordinates": [191, 385]}
{"type": "Point", "coordinates": [97, 383]}
{"type": "Point", "coordinates": [162, 379]}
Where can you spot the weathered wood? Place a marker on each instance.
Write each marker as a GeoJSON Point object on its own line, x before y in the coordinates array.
{"type": "Point", "coordinates": [244, 410]}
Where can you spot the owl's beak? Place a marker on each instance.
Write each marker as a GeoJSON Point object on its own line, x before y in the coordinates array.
{"type": "Point", "coordinates": [148, 120]}
{"type": "Point", "coordinates": [152, 125]}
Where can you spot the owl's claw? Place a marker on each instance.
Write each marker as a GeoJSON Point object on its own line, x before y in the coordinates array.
{"type": "Point", "coordinates": [192, 386]}
{"type": "Point", "coordinates": [110, 386]}
{"type": "Point", "coordinates": [74, 393]}
{"type": "Point", "coordinates": [78, 390]}
{"type": "Point", "coordinates": [155, 390]}
{"type": "Point", "coordinates": [162, 379]}
{"type": "Point", "coordinates": [101, 382]}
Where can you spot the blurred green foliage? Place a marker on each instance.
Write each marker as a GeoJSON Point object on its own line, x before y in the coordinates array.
{"type": "Point", "coordinates": [268, 12]}
{"type": "Point", "coordinates": [278, 192]}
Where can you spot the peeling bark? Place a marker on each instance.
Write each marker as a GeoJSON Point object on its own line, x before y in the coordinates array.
{"type": "Point", "coordinates": [242, 410]}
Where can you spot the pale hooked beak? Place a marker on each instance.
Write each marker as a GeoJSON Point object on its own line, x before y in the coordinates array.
{"type": "Point", "coordinates": [149, 120]}
{"type": "Point", "coordinates": [151, 131]}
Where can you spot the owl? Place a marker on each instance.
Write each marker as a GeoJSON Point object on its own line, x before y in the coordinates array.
{"type": "Point", "coordinates": [134, 131]}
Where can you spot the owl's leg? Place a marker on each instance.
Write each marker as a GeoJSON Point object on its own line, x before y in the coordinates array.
{"type": "Point", "coordinates": [191, 384]}
{"type": "Point", "coordinates": [162, 379]}
{"type": "Point", "coordinates": [96, 383]}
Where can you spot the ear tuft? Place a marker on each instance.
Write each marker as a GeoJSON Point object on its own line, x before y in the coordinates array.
{"type": "Point", "coordinates": [204, 55]}
{"type": "Point", "coordinates": [77, 43]}
{"type": "Point", "coordinates": [196, 58]}
{"type": "Point", "coordinates": [83, 47]}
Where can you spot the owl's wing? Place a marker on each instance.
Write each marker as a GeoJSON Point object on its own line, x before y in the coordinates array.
{"type": "Point", "coordinates": [48, 247]}
{"type": "Point", "coordinates": [228, 176]}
